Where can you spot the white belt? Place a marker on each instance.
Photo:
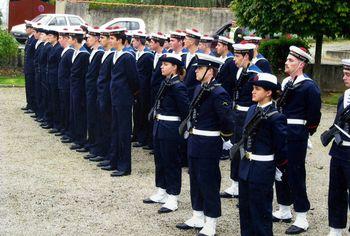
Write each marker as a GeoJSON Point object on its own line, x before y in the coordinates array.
{"type": "Point", "coordinates": [296, 122]}
{"type": "Point", "coordinates": [255, 157]}
{"type": "Point", "coordinates": [345, 143]}
{"type": "Point", "coordinates": [168, 118]}
{"type": "Point", "coordinates": [241, 108]}
{"type": "Point", "coordinates": [205, 132]}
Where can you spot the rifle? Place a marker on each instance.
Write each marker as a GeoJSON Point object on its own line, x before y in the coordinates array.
{"type": "Point", "coordinates": [153, 112]}
{"type": "Point", "coordinates": [334, 131]}
{"type": "Point", "coordinates": [281, 102]}
{"type": "Point", "coordinates": [249, 129]}
{"type": "Point", "coordinates": [186, 123]}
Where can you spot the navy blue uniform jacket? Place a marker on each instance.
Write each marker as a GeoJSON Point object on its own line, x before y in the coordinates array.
{"type": "Point", "coordinates": [104, 80]}
{"type": "Point", "coordinates": [78, 72]}
{"type": "Point", "coordinates": [53, 59]}
{"type": "Point", "coordinates": [64, 68]}
{"type": "Point", "coordinates": [29, 51]}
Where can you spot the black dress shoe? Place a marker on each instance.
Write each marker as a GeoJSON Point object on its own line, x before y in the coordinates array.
{"type": "Point", "coordinates": [184, 226]}
{"type": "Point", "coordinates": [75, 147]}
{"type": "Point", "coordinates": [34, 116]}
{"type": "Point", "coordinates": [226, 195]}
{"type": "Point", "coordinates": [138, 145]}
{"type": "Point", "coordinates": [294, 230]}
{"type": "Point", "coordinates": [149, 201]}
{"type": "Point", "coordinates": [24, 108]}
{"type": "Point", "coordinates": [97, 159]}
{"type": "Point", "coordinates": [66, 140]}
{"type": "Point", "coordinates": [46, 126]}
{"type": "Point", "coordinates": [108, 168]}
{"type": "Point", "coordinates": [224, 157]}
{"type": "Point", "coordinates": [82, 150]}
{"type": "Point", "coordinates": [58, 134]}
{"type": "Point", "coordinates": [29, 111]}
{"type": "Point", "coordinates": [88, 156]}
{"type": "Point", "coordinates": [54, 131]}
{"type": "Point", "coordinates": [147, 147]}
{"type": "Point", "coordinates": [164, 210]}
{"type": "Point", "coordinates": [275, 219]}
{"type": "Point", "coordinates": [103, 163]}
{"type": "Point", "coordinates": [151, 152]}
{"type": "Point", "coordinates": [119, 173]}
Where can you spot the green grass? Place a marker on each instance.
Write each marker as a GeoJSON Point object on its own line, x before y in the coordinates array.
{"type": "Point", "coordinates": [12, 81]}
{"type": "Point", "coordinates": [331, 98]}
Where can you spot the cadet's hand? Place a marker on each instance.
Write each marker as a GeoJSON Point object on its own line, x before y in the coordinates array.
{"type": "Point", "coordinates": [312, 129]}
{"type": "Point", "coordinates": [227, 145]}
{"type": "Point", "coordinates": [278, 175]}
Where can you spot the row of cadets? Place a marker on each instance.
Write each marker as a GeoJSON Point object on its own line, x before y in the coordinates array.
{"type": "Point", "coordinates": [242, 100]}
{"type": "Point", "coordinates": [144, 58]}
{"type": "Point", "coordinates": [92, 41]}
{"type": "Point", "coordinates": [303, 111]}
{"type": "Point", "coordinates": [123, 87]}
{"type": "Point", "coordinates": [191, 43]}
{"type": "Point", "coordinates": [29, 68]}
{"type": "Point", "coordinates": [177, 38]}
{"type": "Point", "coordinates": [64, 69]}
{"type": "Point", "coordinates": [53, 59]}
{"type": "Point", "coordinates": [339, 177]}
{"type": "Point", "coordinates": [259, 60]}
{"type": "Point", "coordinates": [172, 107]}
{"type": "Point", "coordinates": [101, 150]}
{"type": "Point", "coordinates": [211, 121]}
{"type": "Point", "coordinates": [80, 63]}
{"type": "Point", "coordinates": [264, 151]}
{"type": "Point", "coordinates": [205, 43]}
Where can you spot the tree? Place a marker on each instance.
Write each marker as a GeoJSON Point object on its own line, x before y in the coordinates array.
{"type": "Point", "coordinates": [315, 18]}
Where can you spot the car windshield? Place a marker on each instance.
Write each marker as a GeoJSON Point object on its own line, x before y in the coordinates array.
{"type": "Point", "coordinates": [42, 19]}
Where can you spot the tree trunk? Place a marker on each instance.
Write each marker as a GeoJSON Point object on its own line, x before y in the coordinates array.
{"type": "Point", "coordinates": [318, 56]}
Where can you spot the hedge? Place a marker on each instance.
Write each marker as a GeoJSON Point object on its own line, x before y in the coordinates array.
{"type": "Point", "coordinates": [276, 51]}
{"type": "Point", "coordinates": [8, 49]}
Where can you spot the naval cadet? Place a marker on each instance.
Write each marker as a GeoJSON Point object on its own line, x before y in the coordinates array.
{"type": "Point", "coordinates": [128, 43]}
{"type": "Point", "coordinates": [53, 59]}
{"type": "Point", "coordinates": [95, 57]}
{"type": "Point", "coordinates": [124, 86]}
{"type": "Point", "coordinates": [64, 68]}
{"type": "Point", "coordinates": [242, 99]}
{"type": "Point", "coordinates": [85, 29]}
{"type": "Point", "coordinates": [104, 106]}
{"type": "Point", "coordinates": [144, 58]}
{"type": "Point", "coordinates": [210, 121]}
{"type": "Point", "coordinates": [80, 63]}
{"type": "Point", "coordinates": [339, 177]}
{"type": "Point", "coordinates": [301, 104]}
{"type": "Point", "coordinates": [259, 60]}
{"type": "Point", "coordinates": [191, 43]}
{"type": "Point", "coordinates": [263, 151]}
{"type": "Point", "coordinates": [205, 43]}
{"type": "Point", "coordinates": [29, 68]}
{"type": "Point", "coordinates": [177, 38]}
{"type": "Point", "coordinates": [170, 108]}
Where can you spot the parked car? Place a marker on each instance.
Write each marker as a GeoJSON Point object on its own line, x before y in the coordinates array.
{"type": "Point", "coordinates": [55, 20]}
{"type": "Point", "coordinates": [131, 24]}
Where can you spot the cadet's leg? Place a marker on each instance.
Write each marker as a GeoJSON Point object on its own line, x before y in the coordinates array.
{"type": "Point", "coordinates": [125, 129]}
{"type": "Point", "coordinates": [244, 209]}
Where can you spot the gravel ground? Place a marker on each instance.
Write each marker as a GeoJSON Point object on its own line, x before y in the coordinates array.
{"type": "Point", "coordinates": [47, 189]}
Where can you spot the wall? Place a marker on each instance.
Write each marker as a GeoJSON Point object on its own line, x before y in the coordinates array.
{"type": "Point", "coordinates": [331, 79]}
{"type": "Point", "coordinates": [163, 19]}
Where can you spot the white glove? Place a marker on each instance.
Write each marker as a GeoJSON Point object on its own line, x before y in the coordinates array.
{"type": "Point", "coordinates": [278, 175]}
{"type": "Point", "coordinates": [309, 144]}
{"type": "Point", "coordinates": [227, 145]}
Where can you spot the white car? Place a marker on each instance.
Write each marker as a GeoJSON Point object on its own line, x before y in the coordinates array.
{"type": "Point", "coordinates": [131, 24]}
{"type": "Point", "coordinates": [53, 20]}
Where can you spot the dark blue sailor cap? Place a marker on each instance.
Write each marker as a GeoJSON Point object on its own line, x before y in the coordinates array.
{"type": "Point", "coordinates": [208, 61]}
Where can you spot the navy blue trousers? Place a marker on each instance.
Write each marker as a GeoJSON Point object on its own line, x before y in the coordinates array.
{"type": "Point", "coordinates": [121, 137]}
{"type": "Point", "coordinates": [64, 110]}
{"type": "Point", "coordinates": [30, 90]}
{"type": "Point", "coordinates": [255, 208]}
{"type": "Point", "coordinates": [205, 178]}
{"type": "Point", "coordinates": [168, 165]}
{"type": "Point", "coordinates": [78, 118]}
{"type": "Point", "coordinates": [338, 194]}
{"type": "Point", "coordinates": [55, 106]}
{"type": "Point", "coordinates": [292, 190]}
{"type": "Point", "coordinates": [39, 97]}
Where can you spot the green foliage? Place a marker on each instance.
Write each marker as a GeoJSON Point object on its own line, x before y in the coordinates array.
{"type": "Point", "coordinates": [188, 3]}
{"type": "Point", "coordinates": [276, 51]}
{"type": "Point", "coordinates": [302, 17]}
{"type": "Point", "coordinates": [8, 48]}
{"type": "Point", "coordinates": [0, 18]}
{"type": "Point", "coordinates": [17, 81]}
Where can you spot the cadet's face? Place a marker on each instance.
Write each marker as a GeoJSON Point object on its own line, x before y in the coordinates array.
{"type": "Point", "coordinates": [220, 48]}
{"type": "Point", "coordinates": [29, 31]}
{"type": "Point", "coordinates": [346, 78]}
{"type": "Point", "coordinates": [43, 36]}
{"type": "Point", "coordinates": [104, 40]}
{"type": "Point", "coordinates": [238, 59]}
{"type": "Point", "coordinates": [113, 41]}
{"type": "Point", "coordinates": [153, 45]}
{"type": "Point", "coordinates": [136, 43]}
{"type": "Point", "coordinates": [200, 72]}
{"type": "Point", "coordinates": [50, 38]}
{"type": "Point", "coordinates": [259, 94]}
{"type": "Point", "coordinates": [188, 42]}
{"type": "Point", "coordinates": [291, 65]}
{"type": "Point", "coordinates": [70, 40]}
{"type": "Point", "coordinates": [168, 69]}
{"type": "Point", "coordinates": [36, 35]}
{"type": "Point", "coordinates": [175, 43]}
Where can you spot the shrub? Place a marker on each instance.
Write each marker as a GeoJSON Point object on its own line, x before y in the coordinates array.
{"type": "Point", "coordinates": [8, 49]}
{"type": "Point", "coordinates": [276, 51]}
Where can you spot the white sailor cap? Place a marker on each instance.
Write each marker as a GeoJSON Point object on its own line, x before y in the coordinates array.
{"type": "Point", "coordinates": [241, 48]}
{"type": "Point", "coordinates": [252, 39]}
{"type": "Point", "coordinates": [193, 33]}
{"type": "Point", "coordinates": [52, 30]}
{"type": "Point", "coordinates": [346, 64]}
{"type": "Point", "coordinates": [172, 58]}
{"type": "Point", "coordinates": [28, 23]}
{"type": "Point", "coordinates": [206, 39]}
{"type": "Point", "coordinates": [140, 34]}
{"type": "Point", "coordinates": [106, 31]}
{"type": "Point", "coordinates": [94, 31]}
{"type": "Point", "coordinates": [300, 53]}
{"type": "Point", "coordinates": [267, 81]}
{"type": "Point", "coordinates": [158, 36]}
{"type": "Point", "coordinates": [225, 40]}
{"type": "Point", "coordinates": [178, 34]}
{"type": "Point", "coordinates": [116, 30]}
{"type": "Point", "coordinates": [64, 32]}
{"type": "Point", "coordinates": [76, 32]}
{"type": "Point", "coordinates": [208, 61]}
{"type": "Point", "coordinates": [84, 26]}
